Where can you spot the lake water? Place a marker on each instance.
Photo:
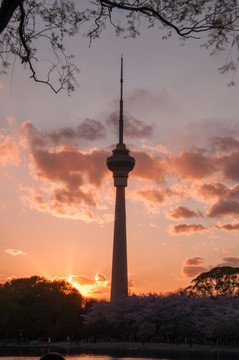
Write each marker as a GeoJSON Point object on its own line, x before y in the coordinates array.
{"type": "Point", "coordinates": [194, 355]}
{"type": "Point", "coordinates": [73, 357]}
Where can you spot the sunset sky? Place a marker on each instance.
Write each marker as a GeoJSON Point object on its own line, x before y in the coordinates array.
{"type": "Point", "coordinates": [57, 196]}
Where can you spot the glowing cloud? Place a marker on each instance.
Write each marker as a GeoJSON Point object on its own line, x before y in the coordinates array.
{"type": "Point", "coordinates": [92, 287]}
{"type": "Point", "coordinates": [15, 252]}
{"type": "Point", "coordinates": [9, 153]}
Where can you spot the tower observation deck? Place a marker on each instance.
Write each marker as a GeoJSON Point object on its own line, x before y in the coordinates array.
{"type": "Point", "coordinates": [120, 163]}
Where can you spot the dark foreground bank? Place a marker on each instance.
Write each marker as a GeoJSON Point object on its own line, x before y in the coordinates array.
{"type": "Point", "coordinates": [124, 349]}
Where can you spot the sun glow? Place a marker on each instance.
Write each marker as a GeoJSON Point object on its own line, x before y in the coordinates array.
{"type": "Point", "coordinates": [81, 289]}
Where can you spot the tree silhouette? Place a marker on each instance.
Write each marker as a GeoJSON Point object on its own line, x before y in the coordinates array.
{"type": "Point", "coordinates": [35, 307]}
{"type": "Point", "coordinates": [218, 281]}
{"type": "Point", "coordinates": [28, 26]}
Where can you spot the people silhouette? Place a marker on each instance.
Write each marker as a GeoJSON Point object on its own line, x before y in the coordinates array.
{"type": "Point", "coordinates": [52, 356]}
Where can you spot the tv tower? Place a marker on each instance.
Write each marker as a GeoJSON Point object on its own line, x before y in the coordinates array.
{"type": "Point", "coordinates": [120, 163]}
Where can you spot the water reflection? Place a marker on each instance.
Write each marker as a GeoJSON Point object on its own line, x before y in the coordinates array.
{"type": "Point", "coordinates": [184, 355]}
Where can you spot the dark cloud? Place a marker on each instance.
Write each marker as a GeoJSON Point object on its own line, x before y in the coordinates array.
{"type": "Point", "coordinates": [133, 128]}
{"type": "Point", "coordinates": [197, 260]}
{"type": "Point", "coordinates": [230, 261]}
{"type": "Point", "coordinates": [192, 271]}
{"type": "Point", "coordinates": [143, 99]}
{"type": "Point", "coordinates": [229, 227]}
{"type": "Point", "coordinates": [193, 266]}
{"type": "Point", "coordinates": [224, 143]}
{"type": "Point", "coordinates": [182, 212]}
{"type": "Point", "coordinates": [88, 129]}
{"type": "Point", "coordinates": [222, 208]}
{"type": "Point", "coordinates": [229, 165]}
{"type": "Point", "coordinates": [188, 228]}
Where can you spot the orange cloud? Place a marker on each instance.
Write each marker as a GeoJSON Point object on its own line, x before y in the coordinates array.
{"type": "Point", "coordinates": [222, 251]}
{"type": "Point", "coordinates": [192, 165]}
{"type": "Point", "coordinates": [3, 280]}
{"type": "Point", "coordinates": [182, 212]}
{"type": "Point", "coordinates": [213, 190]}
{"type": "Point", "coordinates": [188, 229]}
{"type": "Point", "coordinates": [70, 177]}
{"type": "Point", "coordinates": [82, 280]}
{"type": "Point", "coordinates": [98, 286]}
{"type": "Point", "coordinates": [9, 153]}
{"type": "Point", "coordinates": [44, 200]}
{"type": "Point", "coordinates": [148, 167]}
{"type": "Point", "coordinates": [70, 166]}
{"type": "Point", "coordinates": [15, 252]}
{"type": "Point", "coordinates": [99, 277]}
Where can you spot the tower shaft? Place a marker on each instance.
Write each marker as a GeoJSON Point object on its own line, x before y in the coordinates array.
{"type": "Point", "coordinates": [119, 278]}
{"type": "Point", "coordinates": [120, 163]}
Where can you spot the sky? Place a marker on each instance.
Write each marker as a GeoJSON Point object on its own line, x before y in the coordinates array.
{"type": "Point", "coordinates": [57, 196]}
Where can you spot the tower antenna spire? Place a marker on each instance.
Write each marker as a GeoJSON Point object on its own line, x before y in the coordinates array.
{"type": "Point", "coordinates": [121, 119]}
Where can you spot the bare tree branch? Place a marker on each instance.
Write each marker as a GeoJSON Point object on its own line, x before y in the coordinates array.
{"type": "Point", "coordinates": [24, 24]}
{"type": "Point", "coordinates": [7, 10]}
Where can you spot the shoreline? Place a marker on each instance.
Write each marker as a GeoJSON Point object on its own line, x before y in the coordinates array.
{"type": "Point", "coordinates": [122, 349]}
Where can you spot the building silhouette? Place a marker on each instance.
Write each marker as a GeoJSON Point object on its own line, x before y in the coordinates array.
{"type": "Point", "coordinates": [120, 163]}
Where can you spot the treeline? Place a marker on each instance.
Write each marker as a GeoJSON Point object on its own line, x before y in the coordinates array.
{"type": "Point", "coordinates": [207, 310]}
{"type": "Point", "coordinates": [36, 308]}
{"type": "Point", "coordinates": [175, 318]}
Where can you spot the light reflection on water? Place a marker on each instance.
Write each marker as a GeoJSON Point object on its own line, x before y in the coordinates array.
{"type": "Point", "coordinates": [73, 357]}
